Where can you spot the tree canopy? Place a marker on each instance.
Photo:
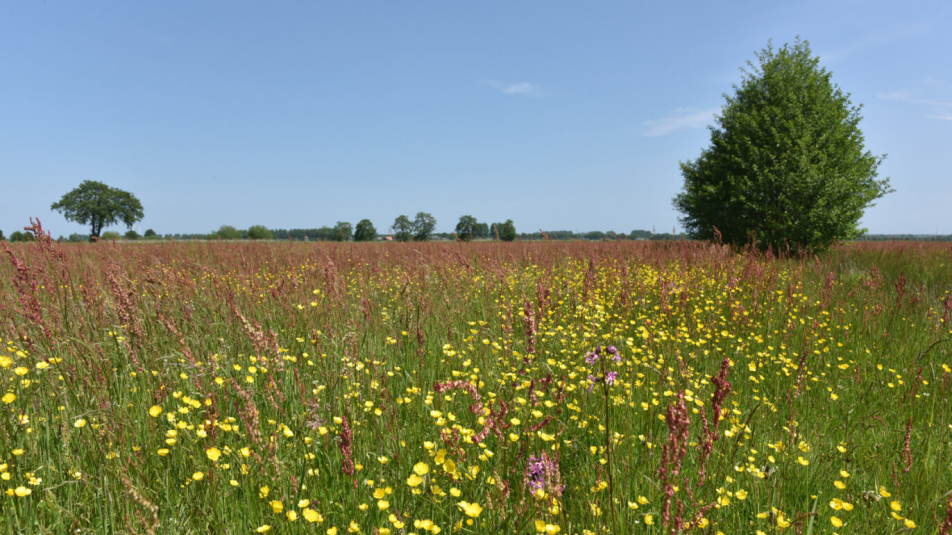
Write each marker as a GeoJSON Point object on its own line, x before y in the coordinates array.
{"type": "Point", "coordinates": [506, 231]}
{"type": "Point", "coordinates": [423, 226]}
{"type": "Point", "coordinates": [99, 205]}
{"type": "Point", "coordinates": [365, 231]}
{"type": "Point", "coordinates": [402, 228]}
{"type": "Point", "coordinates": [343, 231]}
{"type": "Point", "coordinates": [259, 232]}
{"type": "Point", "coordinates": [466, 228]}
{"type": "Point", "coordinates": [786, 165]}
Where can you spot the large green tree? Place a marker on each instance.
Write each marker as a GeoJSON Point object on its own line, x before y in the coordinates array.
{"type": "Point", "coordinates": [786, 164]}
{"type": "Point", "coordinates": [365, 231]}
{"type": "Point", "coordinates": [99, 205]}
{"type": "Point", "coordinates": [466, 228]}
{"type": "Point", "coordinates": [343, 231]}
{"type": "Point", "coordinates": [402, 228]}
{"type": "Point", "coordinates": [259, 232]}
{"type": "Point", "coordinates": [423, 226]}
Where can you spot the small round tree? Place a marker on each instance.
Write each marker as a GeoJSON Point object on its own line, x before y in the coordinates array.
{"type": "Point", "coordinates": [99, 205]}
{"type": "Point", "coordinates": [259, 232]}
{"type": "Point", "coordinates": [786, 165]}
{"type": "Point", "coordinates": [365, 231]}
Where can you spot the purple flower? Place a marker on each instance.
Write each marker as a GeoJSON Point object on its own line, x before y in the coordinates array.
{"type": "Point", "coordinates": [594, 380]}
{"type": "Point", "coordinates": [610, 377]}
{"type": "Point", "coordinates": [591, 357]}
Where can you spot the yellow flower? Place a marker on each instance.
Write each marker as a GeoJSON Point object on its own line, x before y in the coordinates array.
{"type": "Point", "coordinates": [292, 515]}
{"type": "Point", "coordinates": [909, 523]}
{"type": "Point", "coordinates": [8, 398]}
{"type": "Point", "coordinates": [263, 529]}
{"type": "Point", "coordinates": [414, 480]}
{"type": "Point", "coordinates": [741, 494]}
{"type": "Point", "coordinates": [782, 522]}
{"type": "Point", "coordinates": [155, 411]}
{"type": "Point", "coordinates": [264, 492]}
{"type": "Point", "coordinates": [837, 523]}
{"type": "Point", "coordinates": [836, 503]}
{"type": "Point", "coordinates": [213, 453]}
{"type": "Point", "coordinates": [312, 516]}
{"type": "Point", "coordinates": [80, 423]}
{"type": "Point", "coordinates": [649, 520]}
{"type": "Point", "coordinates": [303, 503]}
{"type": "Point", "coordinates": [353, 527]}
{"type": "Point", "coordinates": [332, 530]}
{"type": "Point", "coordinates": [839, 484]}
{"type": "Point", "coordinates": [883, 493]}
{"type": "Point", "coordinates": [896, 506]}
{"type": "Point", "coordinates": [198, 476]}
{"type": "Point", "coordinates": [421, 468]}
{"type": "Point", "coordinates": [20, 371]}
{"type": "Point", "coordinates": [22, 491]}
{"type": "Point", "coordinates": [277, 506]}
{"type": "Point", "coordinates": [383, 505]}
{"type": "Point", "coordinates": [163, 451]}
{"type": "Point", "coordinates": [471, 509]}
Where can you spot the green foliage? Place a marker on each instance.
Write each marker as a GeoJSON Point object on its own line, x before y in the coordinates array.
{"type": "Point", "coordinates": [365, 231]}
{"type": "Point", "coordinates": [110, 235]}
{"type": "Point", "coordinates": [402, 228]}
{"type": "Point", "coordinates": [786, 163]}
{"type": "Point", "coordinates": [131, 235]}
{"type": "Point", "coordinates": [227, 232]}
{"type": "Point", "coordinates": [343, 231]}
{"type": "Point", "coordinates": [505, 231]}
{"type": "Point", "coordinates": [149, 233]}
{"type": "Point", "coordinates": [18, 236]}
{"type": "Point", "coordinates": [1, 235]}
{"type": "Point", "coordinates": [99, 205]}
{"type": "Point", "coordinates": [76, 237]}
{"type": "Point", "coordinates": [466, 228]}
{"type": "Point", "coordinates": [423, 226]}
{"type": "Point", "coordinates": [259, 232]}
{"type": "Point", "coordinates": [481, 230]}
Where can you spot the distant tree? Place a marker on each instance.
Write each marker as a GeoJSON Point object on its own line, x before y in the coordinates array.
{"type": "Point", "coordinates": [76, 238]}
{"type": "Point", "coordinates": [402, 228]}
{"type": "Point", "coordinates": [507, 230]}
{"type": "Point", "coordinates": [149, 233]}
{"type": "Point", "coordinates": [635, 234]}
{"type": "Point", "coordinates": [466, 228]}
{"type": "Point", "coordinates": [131, 235]}
{"type": "Point", "coordinates": [343, 231]}
{"type": "Point", "coordinates": [365, 231]}
{"type": "Point", "coordinates": [786, 164]}
{"type": "Point", "coordinates": [481, 230]}
{"type": "Point", "coordinates": [99, 205]}
{"type": "Point", "coordinates": [1, 235]}
{"type": "Point", "coordinates": [227, 232]}
{"type": "Point", "coordinates": [16, 236]}
{"type": "Point", "coordinates": [110, 235]}
{"type": "Point", "coordinates": [259, 232]}
{"type": "Point", "coordinates": [423, 226]}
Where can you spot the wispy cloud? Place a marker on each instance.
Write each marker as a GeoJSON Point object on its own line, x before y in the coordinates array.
{"type": "Point", "coordinates": [898, 33]}
{"type": "Point", "coordinates": [929, 93]}
{"type": "Point", "coordinates": [518, 88]}
{"type": "Point", "coordinates": [682, 118]}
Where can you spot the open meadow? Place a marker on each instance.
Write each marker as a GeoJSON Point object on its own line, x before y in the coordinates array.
{"type": "Point", "coordinates": [484, 388]}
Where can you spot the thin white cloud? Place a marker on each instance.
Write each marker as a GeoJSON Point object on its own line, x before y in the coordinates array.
{"type": "Point", "coordinates": [682, 118]}
{"type": "Point", "coordinates": [518, 88]}
{"type": "Point", "coordinates": [898, 33]}
{"type": "Point", "coordinates": [930, 92]}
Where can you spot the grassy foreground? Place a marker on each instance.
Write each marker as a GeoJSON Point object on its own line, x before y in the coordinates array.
{"type": "Point", "coordinates": [626, 387]}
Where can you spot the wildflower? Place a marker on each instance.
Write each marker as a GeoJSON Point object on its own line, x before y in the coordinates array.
{"type": "Point", "coordinates": [649, 520]}
{"type": "Point", "coordinates": [263, 529]}
{"type": "Point", "coordinates": [213, 453]}
{"type": "Point", "coordinates": [383, 505]}
{"type": "Point", "coordinates": [198, 476]}
{"type": "Point", "coordinates": [414, 480]}
{"type": "Point", "coordinates": [277, 506]}
{"type": "Point", "coordinates": [471, 509]}
{"type": "Point", "coordinates": [837, 523]}
{"type": "Point", "coordinates": [22, 491]}
{"type": "Point", "coordinates": [8, 398]}
{"type": "Point", "coordinates": [155, 411]}
{"type": "Point", "coordinates": [353, 527]}
{"type": "Point", "coordinates": [332, 530]}
{"type": "Point", "coordinates": [896, 506]}
{"type": "Point", "coordinates": [312, 516]}
{"type": "Point", "coordinates": [421, 469]}
{"type": "Point", "coordinates": [79, 423]}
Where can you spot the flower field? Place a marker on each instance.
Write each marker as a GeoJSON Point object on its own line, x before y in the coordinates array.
{"type": "Point", "coordinates": [576, 388]}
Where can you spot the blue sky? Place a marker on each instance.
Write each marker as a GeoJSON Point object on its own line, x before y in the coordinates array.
{"type": "Point", "coordinates": [558, 115]}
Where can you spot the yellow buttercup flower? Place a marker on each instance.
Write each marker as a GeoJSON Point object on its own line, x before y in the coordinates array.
{"type": "Point", "coordinates": [155, 411]}
{"type": "Point", "coordinates": [471, 509]}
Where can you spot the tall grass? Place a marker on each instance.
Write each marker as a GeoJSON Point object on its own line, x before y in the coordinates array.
{"type": "Point", "coordinates": [419, 388]}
